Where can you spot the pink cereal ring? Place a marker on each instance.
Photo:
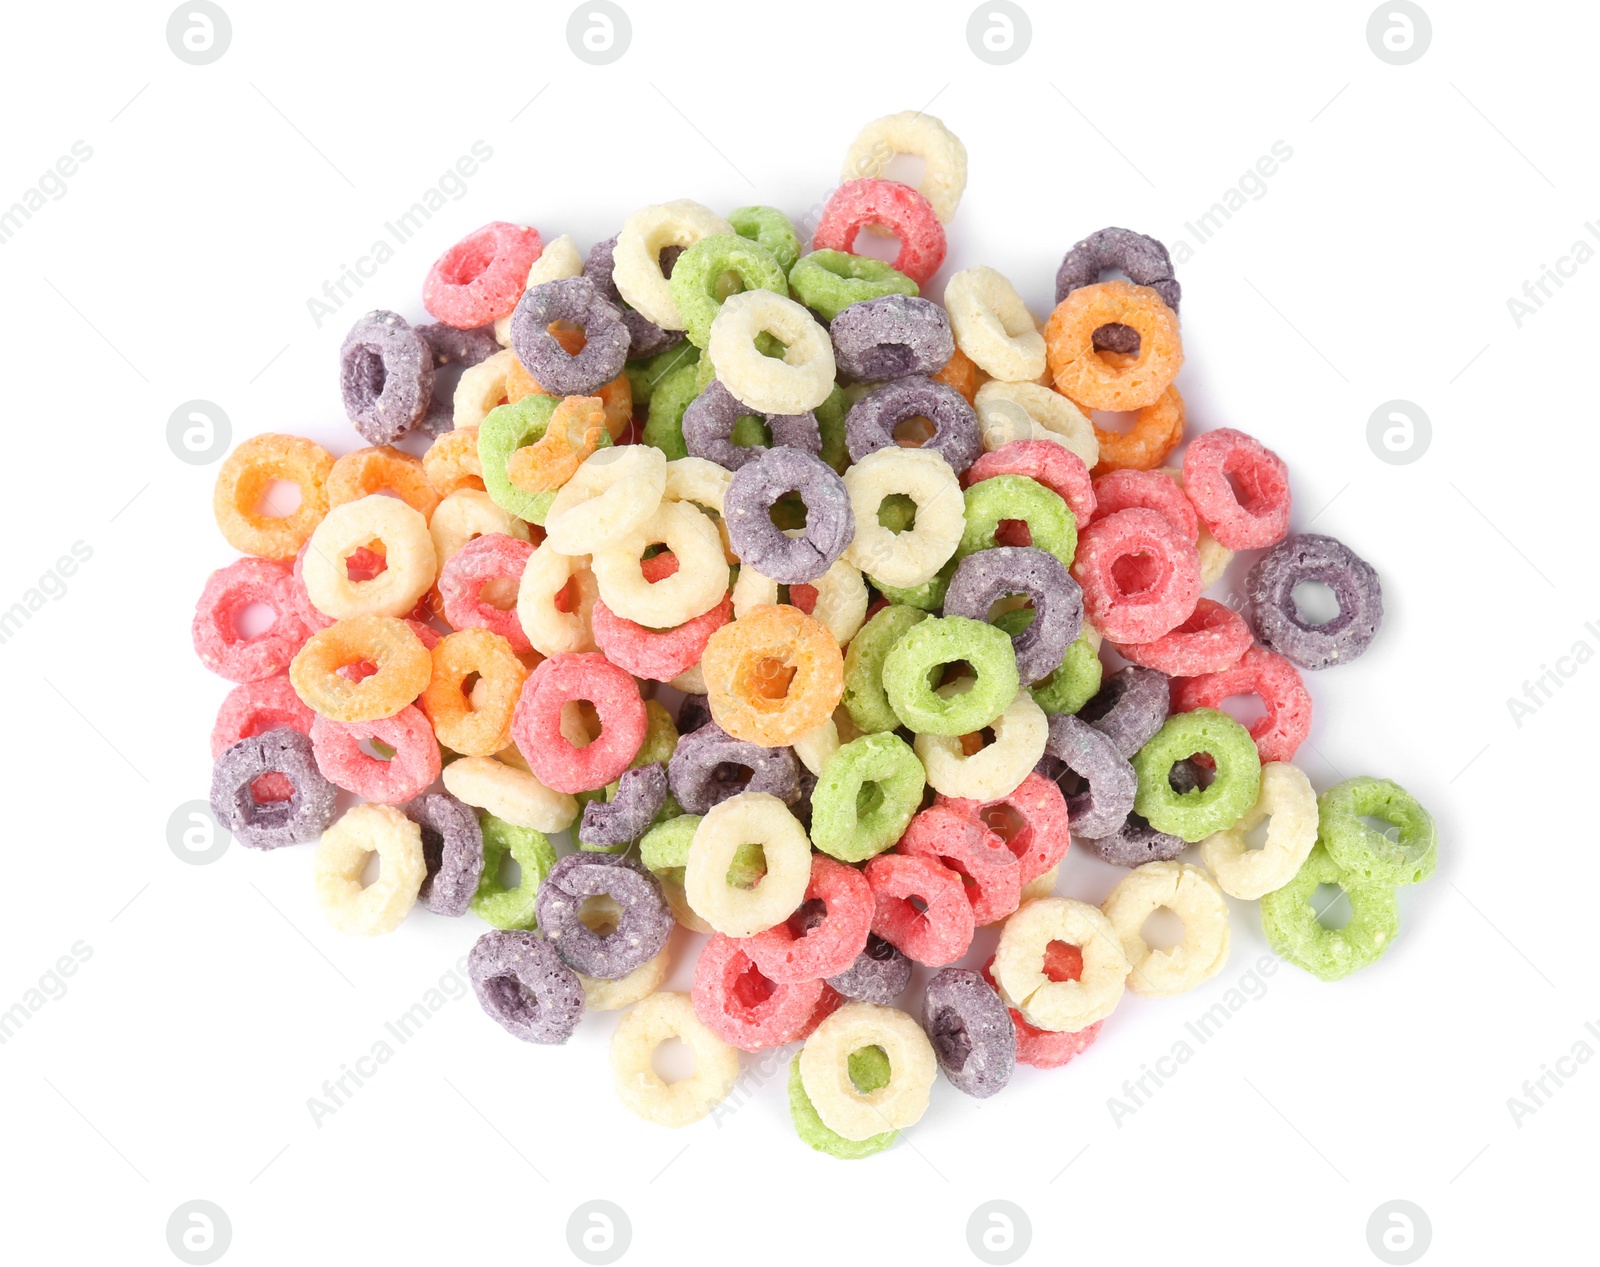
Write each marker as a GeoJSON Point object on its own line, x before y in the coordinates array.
{"type": "Point", "coordinates": [1122, 489]}
{"type": "Point", "coordinates": [491, 557]}
{"type": "Point", "coordinates": [1211, 640]}
{"type": "Point", "coordinates": [1262, 517]}
{"type": "Point", "coordinates": [1272, 679]}
{"type": "Point", "coordinates": [1140, 603]}
{"type": "Point", "coordinates": [938, 934]}
{"type": "Point", "coordinates": [1032, 821]}
{"type": "Point", "coordinates": [1042, 1048]}
{"type": "Point", "coordinates": [217, 640]}
{"type": "Point", "coordinates": [659, 566]}
{"type": "Point", "coordinates": [536, 725]}
{"type": "Point", "coordinates": [415, 764]}
{"type": "Point", "coordinates": [1054, 465]}
{"type": "Point", "coordinates": [481, 277]}
{"type": "Point", "coordinates": [744, 1007]}
{"type": "Point", "coordinates": [253, 708]}
{"type": "Point", "coordinates": [786, 954]}
{"type": "Point", "coordinates": [893, 206]}
{"type": "Point", "coordinates": [657, 654]}
{"type": "Point", "coordinates": [965, 845]}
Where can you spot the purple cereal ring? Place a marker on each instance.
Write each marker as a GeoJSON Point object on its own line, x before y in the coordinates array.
{"type": "Point", "coordinates": [626, 816]}
{"type": "Point", "coordinates": [452, 848]}
{"type": "Point", "coordinates": [558, 372]}
{"type": "Point", "coordinates": [1269, 595]}
{"type": "Point", "coordinates": [747, 510]}
{"type": "Point", "coordinates": [704, 769]}
{"type": "Point", "coordinates": [891, 336]}
{"type": "Point", "coordinates": [272, 824]}
{"type": "Point", "coordinates": [1130, 707]}
{"type": "Point", "coordinates": [385, 376]}
{"type": "Point", "coordinates": [646, 338]}
{"type": "Point", "coordinates": [983, 578]}
{"type": "Point", "coordinates": [971, 1031]}
{"type": "Point", "coordinates": [879, 975]}
{"type": "Point", "coordinates": [1104, 799]}
{"type": "Point", "coordinates": [1144, 260]}
{"type": "Point", "coordinates": [870, 424]}
{"type": "Point", "coordinates": [641, 931]}
{"type": "Point", "coordinates": [708, 429]}
{"type": "Point", "coordinates": [1134, 844]}
{"type": "Point", "coordinates": [522, 984]}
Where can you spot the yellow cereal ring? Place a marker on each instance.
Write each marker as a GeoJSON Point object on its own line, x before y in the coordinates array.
{"type": "Point", "coordinates": [341, 856]}
{"type": "Point", "coordinates": [404, 668]}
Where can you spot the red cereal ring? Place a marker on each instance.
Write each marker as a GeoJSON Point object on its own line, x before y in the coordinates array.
{"type": "Point", "coordinates": [1268, 676]}
{"type": "Point", "coordinates": [228, 591]}
{"type": "Point", "coordinates": [481, 277]}
{"type": "Point", "coordinates": [536, 725]}
{"type": "Point", "coordinates": [1154, 589]}
{"type": "Point", "coordinates": [657, 654]}
{"type": "Point", "coordinates": [833, 923]}
{"type": "Point", "coordinates": [1213, 464]}
{"type": "Point", "coordinates": [659, 566]}
{"type": "Point", "coordinates": [1211, 640]}
{"type": "Point", "coordinates": [1032, 821]}
{"type": "Point", "coordinates": [253, 708]}
{"type": "Point", "coordinates": [964, 844]}
{"type": "Point", "coordinates": [1054, 465]}
{"type": "Point", "coordinates": [936, 935]}
{"type": "Point", "coordinates": [336, 745]}
{"type": "Point", "coordinates": [893, 206]}
{"type": "Point", "coordinates": [744, 1007]}
{"type": "Point", "coordinates": [491, 557]}
{"type": "Point", "coordinates": [1043, 1048]}
{"type": "Point", "coordinates": [1121, 490]}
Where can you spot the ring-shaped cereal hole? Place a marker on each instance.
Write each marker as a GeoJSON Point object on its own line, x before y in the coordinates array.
{"type": "Point", "coordinates": [911, 556]}
{"type": "Point", "coordinates": [610, 950]}
{"type": "Point", "coordinates": [1288, 805]}
{"type": "Point", "coordinates": [480, 278]}
{"type": "Point", "coordinates": [863, 695]}
{"type": "Point", "coordinates": [451, 462]}
{"type": "Point", "coordinates": [710, 430]}
{"type": "Point", "coordinates": [1195, 814]}
{"type": "Point", "coordinates": [229, 593]}
{"type": "Point", "coordinates": [709, 766]}
{"type": "Point", "coordinates": [993, 326]}
{"type": "Point", "coordinates": [877, 419]}
{"type": "Point", "coordinates": [656, 1020]}
{"type": "Point", "coordinates": [403, 666]}
{"type": "Point", "coordinates": [412, 766]}
{"type": "Point", "coordinates": [1190, 894]}
{"type": "Point", "coordinates": [714, 267]}
{"type": "Point", "coordinates": [888, 205]}
{"type": "Point", "coordinates": [1130, 707]}
{"type": "Point", "coordinates": [984, 578]}
{"type": "Point", "coordinates": [971, 1032]}
{"type": "Point", "coordinates": [555, 602]}
{"type": "Point", "coordinates": [1084, 375]}
{"type": "Point", "coordinates": [1140, 578]}
{"type": "Point", "coordinates": [605, 338]}
{"type": "Point", "coordinates": [1060, 1002]}
{"type": "Point", "coordinates": [1031, 821]}
{"type": "Point", "coordinates": [524, 987]}
{"type": "Point", "coordinates": [772, 675]}
{"type": "Point", "coordinates": [750, 818]}
{"type": "Point", "coordinates": [741, 1005]}
{"type": "Point", "coordinates": [238, 775]}
{"type": "Point", "coordinates": [988, 870]}
{"type": "Point", "coordinates": [495, 902]}
{"type": "Point", "coordinates": [828, 281]}
{"type": "Point", "coordinates": [507, 429]}
{"type": "Point", "coordinates": [341, 856]}
{"type": "Point", "coordinates": [1307, 558]}
{"type": "Point", "coordinates": [1239, 487]}
{"type": "Point", "coordinates": [1291, 920]}
{"type": "Point", "coordinates": [913, 132]}
{"type": "Point", "coordinates": [382, 469]}
{"type": "Point", "coordinates": [865, 796]}
{"type": "Point", "coordinates": [1155, 432]}
{"type": "Point", "coordinates": [921, 908]}
{"type": "Point", "coordinates": [537, 731]}
{"type": "Point", "coordinates": [242, 499]}
{"type": "Point", "coordinates": [826, 1062]}
{"type": "Point", "coordinates": [452, 850]}
{"type": "Point", "coordinates": [478, 725]}
{"type": "Point", "coordinates": [992, 503]}
{"type": "Point", "coordinates": [1407, 857]}
{"type": "Point", "coordinates": [825, 934]}
{"type": "Point", "coordinates": [1211, 640]}
{"type": "Point", "coordinates": [464, 582]}
{"type": "Point", "coordinates": [385, 376]}
{"type": "Point", "coordinates": [639, 266]}
{"type": "Point", "coordinates": [742, 335]}
{"type": "Point", "coordinates": [1283, 727]}
{"type": "Point", "coordinates": [1072, 683]}
{"type": "Point", "coordinates": [909, 667]}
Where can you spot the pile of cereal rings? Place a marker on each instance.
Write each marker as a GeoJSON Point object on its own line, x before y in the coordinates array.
{"type": "Point", "coordinates": [786, 590]}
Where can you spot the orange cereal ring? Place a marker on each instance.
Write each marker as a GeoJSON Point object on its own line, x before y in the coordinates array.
{"type": "Point", "coordinates": [478, 726]}
{"type": "Point", "coordinates": [451, 462]}
{"type": "Point", "coordinates": [571, 435]}
{"type": "Point", "coordinates": [961, 373]}
{"type": "Point", "coordinates": [382, 469]}
{"type": "Point", "coordinates": [404, 668]}
{"type": "Point", "coordinates": [1094, 382]}
{"type": "Point", "coordinates": [1157, 430]}
{"type": "Point", "coordinates": [244, 480]}
{"type": "Point", "coordinates": [772, 675]}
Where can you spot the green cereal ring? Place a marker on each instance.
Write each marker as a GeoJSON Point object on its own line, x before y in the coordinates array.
{"type": "Point", "coordinates": [771, 228]}
{"type": "Point", "coordinates": [646, 375]}
{"type": "Point", "coordinates": [1195, 814]}
{"type": "Point", "coordinates": [507, 429]}
{"type": "Point", "coordinates": [865, 796]}
{"type": "Point", "coordinates": [663, 426]}
{"type": "Point", "coordinates": [830, 415]}
{"type": "Point", "coordinates": [1049, 520]}
{"type": "Point", "coordinates": [495, 904]}
{"type": "Point", "coordinates": [1074, 684]}
{"type": "Point", "coordinates": [1369, 854]}
{"type": "Point", "coordinates": [660, 739]}
{"type": "Point", "coordinates": [828, 282]}
{"type": "Point", "coordinates": [863, 696]}
{"type": "Point", "coordinates": [927, 597]}
{"type": "Point", "coordinates": [697, 279]}
{"type": "Point", "coordinates": [869, 1070]}
{"type": "Point", "coordinates": [1289, 919]}
{"type": "Point", "coordinates": [908, 673]}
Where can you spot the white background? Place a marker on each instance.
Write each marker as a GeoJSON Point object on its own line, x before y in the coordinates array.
{"type": "Point", "coordinates": [1377, 265]}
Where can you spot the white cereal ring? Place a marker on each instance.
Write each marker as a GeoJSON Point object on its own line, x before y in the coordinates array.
{"type": "Point", "coordinates": [1288, 799]}
{"type": "Point", "coordinates": [841, 597]}
{"type": "Point", "coordinates": [465, 514]}
{"type": "Point", "coordinates": [695, 588]}
{"type": "Point", "coordinates": [995, 771]}
{"type": "Point", "coordinates": [1194, 897]}
{"type": "Point", "coordinates": [600, 995]}
{"type": "Point", "coordinates": [611, 494]}
{"type": "Point", "coordinates": [481, 388]}
{"type": "Point", "coordinates": [905, 560]}
{"type": "Point", "coordinates": [690, 682]}
{"type": "Point", "coordinates": [802, 380]}
{"type": "Point", "coordinates": [816, 746]}
{"type": "Point", "coordinates": [944, 157]}
{"type": "Point", "coordinates": [703, 482]}
{"type": "Point", "coordinates": [1060, 1006]}
{"type": "Point", "coordinates": [550, 630]}
{"type": "Point", "coordinates": [1028, 411]}
{"type": "Point", "coordinates": [825, 1070]}
{"type": "Point", "coordinates": [748, 818]}
{"type": "Point", "coordinates": [993, 326]}
{"type": "Point", "coordinates": [559, 259]}
{"type": "Point", "coordinates": [652, 1022]}
{"type": "Point", "coordinates": [341, 855]}
{"type": "Point", "coordinates": [512, 794]}
{"type": "Point", "coordinates": [408, 553]}
{"type": "Point", "coordinates": [636, 261]}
